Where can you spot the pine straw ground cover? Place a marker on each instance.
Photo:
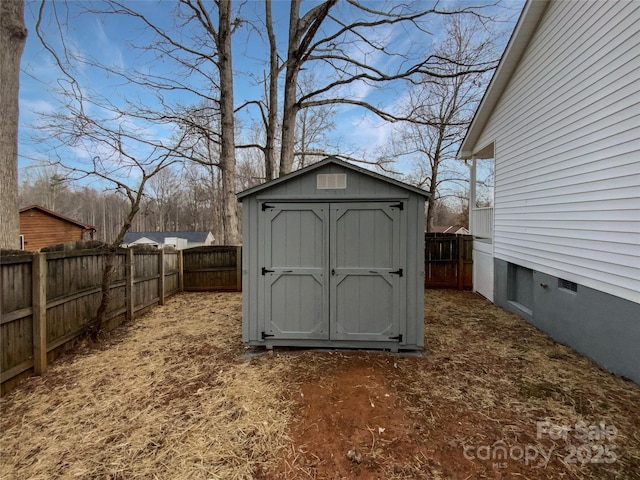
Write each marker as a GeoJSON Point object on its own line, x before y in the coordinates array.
{"type": "Point", "coordinates": [166, 398]}
{"type": "Point", "coordinates": [175, 395]}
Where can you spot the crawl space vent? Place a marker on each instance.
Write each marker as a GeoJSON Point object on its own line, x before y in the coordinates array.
{"type": "Point", "coordinates": [567, 285]}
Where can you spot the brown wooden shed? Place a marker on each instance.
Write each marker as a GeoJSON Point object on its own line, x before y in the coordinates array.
{"type": "Point", "coordinates": [40, 227]}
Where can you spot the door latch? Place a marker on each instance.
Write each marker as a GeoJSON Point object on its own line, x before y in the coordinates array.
{"type": "Point", "coordinates": [333, 271]}
{"type": "Point", "coordinates": [266, 270]}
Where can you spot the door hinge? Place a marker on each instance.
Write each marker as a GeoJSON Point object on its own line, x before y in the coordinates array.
{"type": "Point", "coordinates": [266, 270]}
{"type": "Point", "coordinates": [265, 206]}
{"type": "Point", "coordinates": [398, 337]}
{"type": "Point", "coordinates": [265, 335]}
{"type": "Point", "coordinates": [397, 272]}
{"type": "Point", "coordinates": [399, 205]}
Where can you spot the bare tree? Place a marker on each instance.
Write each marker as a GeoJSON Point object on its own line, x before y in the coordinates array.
{"type": "Point", "coordinates": [311, 140]}
{"type": "Point", "coordinates": [227, 122]}
{"type": "Point", "coordinates": [441, 110]}
{"type": "Point", "coordinates": [134, 194]}
{"type": "Point", "coordinates": [43, 185]}
{"type": "Point", "coordinates": [127, 174]}
{"type": "Point", "coordinates": [196, 98]}
{"type": "Point", "coordinates": [123, 154]}
{"type": "Point", "coordinates": [164, 188]}
{"type": "Point", "coordinates": [302, 31]}
{"type": "Point", "coordinates": [271, 118]}
{"type": "Point", "coordinates": [13, 35]}
{"type": "Point", "coordinates": [198, 44]}
{"type": "Point", "coordinates": [321, 37]}
{"type": "Point", "coordinates": [199, 197]}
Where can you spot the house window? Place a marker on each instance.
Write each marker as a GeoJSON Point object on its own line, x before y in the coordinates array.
{"type": "Point", "coordinates": [520, 287]}
{"type": "Point", "coordinates": [567, 285]}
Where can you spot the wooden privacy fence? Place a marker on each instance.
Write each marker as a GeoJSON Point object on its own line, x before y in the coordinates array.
{"type": "Point", "coordinates": [213, 268]}
{"type": "Point", "coordinates": [47, 300]}
{"type": "Point", "coordinates": [448, 261]}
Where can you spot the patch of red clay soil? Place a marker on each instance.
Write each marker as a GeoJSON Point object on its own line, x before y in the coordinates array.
{"type": "Point", "coordinates": [349, 425]}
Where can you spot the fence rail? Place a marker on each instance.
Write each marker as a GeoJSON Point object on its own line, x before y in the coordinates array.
{"type": "Point", "coordinates": [47, 300]}
{"type": "Point", "coordinates": [448, 261]}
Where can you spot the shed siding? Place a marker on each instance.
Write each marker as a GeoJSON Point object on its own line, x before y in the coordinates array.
{"type": "Point", "coordinates": [414, 317]}
{"type": "Point", "coordinates": [251, 314]}
{"type": "Point", "coordinates": [40, 230]}
{"type": "Point", "coordinates": [567, 187]}
{"type": "Point", "coordinates": [361, 189]}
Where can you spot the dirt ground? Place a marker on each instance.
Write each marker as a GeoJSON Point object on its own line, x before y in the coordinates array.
{"type": "Point", "coordinates": [176, 395]}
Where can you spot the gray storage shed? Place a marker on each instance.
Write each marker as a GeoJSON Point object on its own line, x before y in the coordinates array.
{"type": "Point", "coordinates": [333, 256]}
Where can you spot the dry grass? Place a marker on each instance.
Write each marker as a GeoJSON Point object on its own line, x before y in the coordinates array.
{"type": "Point", "coordinates": [172, 396]}
{"type": "Point", "coordinates": [490, 377]}
{"type": "Point", "coordinates": [168, 399]}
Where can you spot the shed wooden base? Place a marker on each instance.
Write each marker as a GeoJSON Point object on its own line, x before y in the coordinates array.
{"type": "Point", "coordinates": [354, 345]}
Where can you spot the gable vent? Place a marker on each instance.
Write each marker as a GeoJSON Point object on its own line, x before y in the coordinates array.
{"type": "Point", "coordinates": [331, 181]}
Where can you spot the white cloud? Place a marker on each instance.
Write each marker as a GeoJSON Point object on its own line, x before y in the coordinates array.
{"type": "Point", "coordinates": [370, 132]}
{"type": "Point", "coordinates": [110, 53]}
{"type": "Point", "coordinates": [36, 105]}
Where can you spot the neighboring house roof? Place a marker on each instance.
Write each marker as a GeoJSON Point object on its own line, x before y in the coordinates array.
{"type": "Point", "coordinates": [321, 164]}
{"type": "Point", "coordinates": [57, 215]}
{"type": "Point", "coordinates": [159, 237]}
{"type": "Point", "coordinates": [449, 229]}
{"type": "Point", "coordinates": [525, 28]}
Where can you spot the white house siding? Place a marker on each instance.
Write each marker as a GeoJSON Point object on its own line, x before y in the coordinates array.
{"type": "Point", "coordinates": [567, 149]}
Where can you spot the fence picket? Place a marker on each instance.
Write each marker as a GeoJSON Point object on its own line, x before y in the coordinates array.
{"type": "Point", "coordinates": [448, 261]}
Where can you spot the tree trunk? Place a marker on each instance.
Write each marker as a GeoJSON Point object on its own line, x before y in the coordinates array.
{"type": "Point", "coordinates": [433, 185]}
{"type": "Point", "coordinates": [227, 126]}
{"type": "Point", "coordinates": [105, 291]}
{"type": "Point", "coordinates": [13, 35]}
{"type": "Point", "coordinates": [272, 100]}
{"type": "Point", "coordinates": [301, 33]}
{"type": "Point", "coordinates": [109, 264]}
{"type": "Point", "coordinates": [431, 202]}
{"type": "Point", "coordinates": [290, 106]}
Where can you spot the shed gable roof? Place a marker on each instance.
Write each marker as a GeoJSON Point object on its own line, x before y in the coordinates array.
{"type": "Point", "coordinates": [323, 163]}
{"type": "Point", "coordinates": [523, 32]}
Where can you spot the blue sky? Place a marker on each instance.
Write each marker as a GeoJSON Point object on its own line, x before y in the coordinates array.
{"type": "Point", "coordinates": [109, 39]}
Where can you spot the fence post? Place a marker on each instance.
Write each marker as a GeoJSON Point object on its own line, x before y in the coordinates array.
{"type": "Point", "coordinates": [129, 283]}
{"type": "Point", "coordinates": [161, 278]}
{"type": "Point", "coordinates": [460, 263]}
{"type": "Point", "coordinates": [39, 304]}
{"type": "Point", "coordinates": [180, 271]}
{"type": "Point", "coordinates": [238, 269]}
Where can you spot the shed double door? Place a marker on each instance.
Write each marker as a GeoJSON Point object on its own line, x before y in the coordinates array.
{"type": "Point", "coordinates": [332, 271]}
